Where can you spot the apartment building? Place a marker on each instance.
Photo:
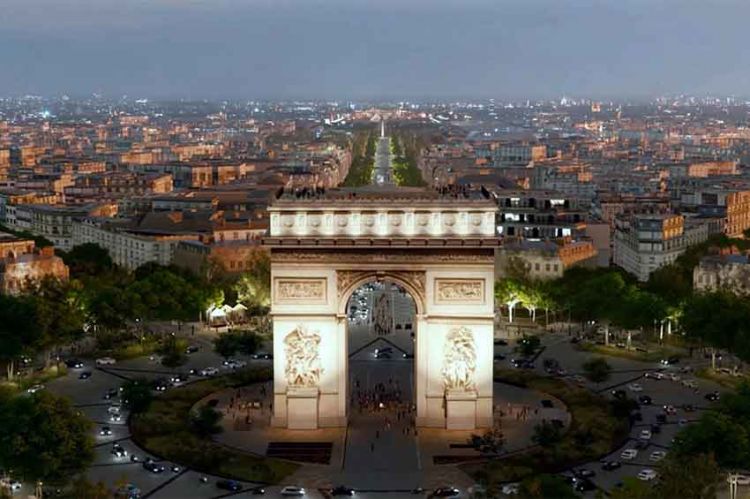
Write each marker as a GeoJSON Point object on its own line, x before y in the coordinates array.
{"type": "Point", "coordinates": [646, 242]}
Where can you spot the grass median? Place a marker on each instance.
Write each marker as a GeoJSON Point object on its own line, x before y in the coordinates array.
{"type": "Point", "coordinates": [596, 428]}
{"type": "Point", "coordinates": [164, 429]}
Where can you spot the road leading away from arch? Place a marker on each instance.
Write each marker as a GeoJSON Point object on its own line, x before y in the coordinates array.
{"type": "Point", "coordinates": [383, 168]}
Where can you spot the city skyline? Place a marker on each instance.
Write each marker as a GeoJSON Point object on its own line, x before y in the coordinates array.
{"type": "Point", "coordinates": [365, 50]}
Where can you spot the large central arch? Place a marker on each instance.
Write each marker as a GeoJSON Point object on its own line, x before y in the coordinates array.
{"type": "Point", "coordinates": [441, 252]}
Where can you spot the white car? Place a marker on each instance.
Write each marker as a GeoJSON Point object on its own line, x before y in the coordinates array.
{"type": "Point", "coordinates": [105, 361]}
{"type": "Point", "coordinates": [645, 435]}
{"type": "Point", "coordinates": [291, 490]}
{"type": "Point", "coordinates": [34, 388]}
{"type": "Point", "coordinates": [657, 456]}
{"type": "Point", "coordinates": [13, 485]}
{"type": "Point", "coordinates": [209, 371]}
{"type": "Point", "coordinates": [635, 387]}
{"type": "Point", "coordinates": [629, 454]}
{"type": "Point", "coordinates": [510, 489]}
{"type": "Point", "coordinates": [689, 383]}
{"type": "Point", "coordinates": [646, 474]}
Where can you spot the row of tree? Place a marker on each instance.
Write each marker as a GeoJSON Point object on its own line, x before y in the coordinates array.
{"type": "Point", "coordinates": [406, 149]}
{"type": "Point", "coordinates": [363, 159]}
{"type": "Point", "coordinates": [719, 319]}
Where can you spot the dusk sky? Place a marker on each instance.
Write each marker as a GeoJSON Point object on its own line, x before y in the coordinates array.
{"type": "Point", "coordinates": [374, 49]}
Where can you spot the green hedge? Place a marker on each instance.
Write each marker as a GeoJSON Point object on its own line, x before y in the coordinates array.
{"type": "Point", "coordinates": [164, 430]}
{"type": "Point", "coordinates": [594, 431]}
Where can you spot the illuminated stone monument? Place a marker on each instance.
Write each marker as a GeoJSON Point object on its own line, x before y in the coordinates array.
{"type": "Point", "coordinates": [440, 249]}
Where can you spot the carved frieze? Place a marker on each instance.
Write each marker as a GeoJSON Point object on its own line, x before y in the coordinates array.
{"type": "Point", "coordinates": [289, 289]}
{"type": "Point", "coordinates": [459, 290]}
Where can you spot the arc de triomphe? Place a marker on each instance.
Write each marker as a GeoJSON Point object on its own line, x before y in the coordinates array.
{"type": "Point", "coordinates": [440, 249]}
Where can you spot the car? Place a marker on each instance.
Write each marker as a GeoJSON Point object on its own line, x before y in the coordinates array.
{"type": "Point", "coordinates": [258, 491]}
{"type": "Point", "coordinates": [105, 361]}
{"type": "Point", "coordinates": [116, 418]}
{"type": "Point", "coordinates": [653, 375]}
{"type": "Point", "coordinates": [231, 485]}
{"type": "Point", "coordinates": [584, 473]}
{"type": "Point", "coordinates": [74, 364]}
{"type": "Point", "coordinates": [192, 349]}
{"type": "Point", "coordinates": [498, 357]}
{"type": "Point", "coordinates": [128, 491]}
{"type": "Point", "coordinates": [119, 451]}
{"type": "Point", "coordinates": [688, 408]}
{"type": "Point", "coordinates": [105, 431]}
{"type": "Point", "coordinates": [110, 393]}
{"type": "Point", "coordinates": [13, 485]}
{"type": "Point", "coordinates": [411, 355]}
{"type": "Point", "coordinates": [178, 379]}
{"type": "Point", "coordinates": [682, 422]}
{"type": "Point", "coordinates": [382, 355]}
{"type": "Point", "coordinates": [150, 465]}
{"type": "Point", "coordinates": [234, 364]}
{"type": "Point", "coordinates": [646, 474]}
{"type": "Point", "coordinates": [629, 454]}
{"type": "Point", "coordinates": [670, 410]}
{"type": "Point", "coordinates": [209, 371]}
{"type": "Point", "coordinates": [645, 435]}
{"type": "Point", "coordinates": [644, 400]}
{"type": "Point", "coordinates": [674, 377]}
{"type": "Point", "coordinates": [657, 456]}
{"type": "Point", "coordinates": [669, 361]}
{"type": "Point", "coordinates": [175, 468]}
{"type": "Point", "coordinates": [342, 491]}
{"type": "Point", "coordinates": [35, 388]}
{"type": "Point", "coordinates": [611, 465]}
{"type": "Point", "coordinates": [84, 375]}
{"type": "Point", "coordinates": [712, 397]}
{"type": "Point", "coordinates": [619, 394]}
{"type": "Point", "coordinates": [292, 490]}
{"type": "Point", "coordinates": [161, 385]}
{"type": "Point", "coordinates": [510, 489]}
{"type": "Point", "coordinates": [445, 492]}
{"type": "Point", "coordinates": [689, 383]}
{"type": "Point", "coordinates": [584, 485]}
{"type": "Point", "coordinates": [635, 387]}
{"type": "Point", "coordinates": [501, 342]}
{"type": "Point", "coordinates": [134, 459]}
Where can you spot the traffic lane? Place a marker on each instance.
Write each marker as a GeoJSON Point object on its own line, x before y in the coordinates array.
{"type": "Point", "coordinates": [188, 485]}
{"type": "Point", "coordinates": [84, 391]}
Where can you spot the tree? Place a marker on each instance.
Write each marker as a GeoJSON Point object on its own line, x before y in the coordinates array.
{"type": "Point", "coordinates": [226, 345]}
{"type": "Point", "coordinates": [546, 486]}
{"type": "Point", "coordinates": [248, 343]}
{"type": "Point", "coordinates": [254, 287]}
{"type": "Point", "coordinates": [632, 488]}
{"type": "Point", "coordinates": [546, 434]}
{"type": "Point", "coordinates": [689, 477]}
{"type": "Point", "coordinates": [59, 312]}
{"type": "Point", "coordinates": [89, 259]}
{"type": "Point", "coordinates": [137, 395]}
{"type": "Point", "coordinates": [19, 329]}
{"type": "Point", "coordinates": [718, 434]}
{"type": "Point", "coordinates": [205, 421]}
{"type": "Point", "coordinates": [173, 352]}
{"type": "Point", "coordinates": [508, 292]}
{"type": "Point", "coordinates": [597, 370]}
{"type": "Point", "coordinates": [84, 489]}
{"type": "Point", "coordinates": [44, 438]}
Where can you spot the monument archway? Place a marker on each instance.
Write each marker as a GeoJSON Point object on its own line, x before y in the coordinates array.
{"type": "Point", "coordinates": [440, 250]}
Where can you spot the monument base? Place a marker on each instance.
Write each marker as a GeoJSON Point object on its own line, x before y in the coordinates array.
{"type": "Point", "coordinates": [461, 410]}
{"type": "Point", "coordinates": [302, 408]}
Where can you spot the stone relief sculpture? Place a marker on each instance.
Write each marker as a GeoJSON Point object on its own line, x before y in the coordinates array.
{"type": "Point", "coordinates": [460, 290]}
{"type": "Point", "coordinates": [300, 289]}
{"type": "Point", "coordinates": [459, 360]}
{"type": "Point", "coordinates": [302, 351]}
